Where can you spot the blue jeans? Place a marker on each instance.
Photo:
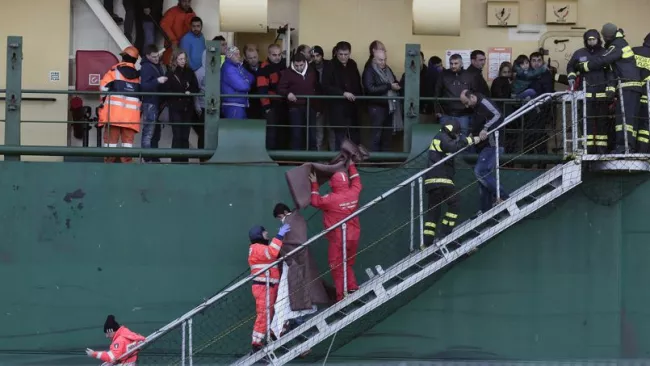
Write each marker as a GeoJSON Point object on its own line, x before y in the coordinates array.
{"type": "Point", "coordinates": [232, 112]}
{"type": "Point", "coordinates": [485, 174]}
{"type": "Point", "coordinates": [527, 93]}
{"type": "Point", "coordinates": [149, 118]}
{"type": "Point", "coordinates": [465, 122]}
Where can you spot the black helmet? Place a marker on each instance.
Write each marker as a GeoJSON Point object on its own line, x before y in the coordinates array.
{"type": "Point", "coordinates": [452, 127]}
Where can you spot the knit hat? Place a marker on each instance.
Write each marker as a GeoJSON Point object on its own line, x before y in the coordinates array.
{"type": "Point", "coordinates": [231, 51]}
{"type": "Point", "coordinates": [256, 234]}
{"type": "Point", "coordinates": [111, 324]}
{"type": "Point", "coordinates": [317, 50]}
{"type": "Point", "coordinates": [609, 31]}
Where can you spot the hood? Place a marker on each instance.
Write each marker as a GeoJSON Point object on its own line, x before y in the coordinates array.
{"type": "Point", "coordinates": [128, 334]}
{"type": "Point", "coordinates": [256, 235]}
{"type": "Point", "coordinates": [339, 182]}
{"type": "Point", "coordinates": [592, 33]}
{"type": "Point", "coordinates": [646, 41]}
{"type": "Point", "coordinates": [128, 70]}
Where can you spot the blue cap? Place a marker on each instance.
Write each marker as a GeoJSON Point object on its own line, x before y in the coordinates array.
{"type": "Point", "coordinates": [256, 233]}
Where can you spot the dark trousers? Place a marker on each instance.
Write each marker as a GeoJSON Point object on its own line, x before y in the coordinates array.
{"type": "Point", "coordinates": [381, 121]}
{"type": "Point", "coordinates": [630, 104]}
{"type": "Point", "coordinates": [276, 135]}
{"type": "Point", "coordinates": [300, 131]}
{"type": "Point", "coordinates": [347, 130]}
{"type": "Point", "coordinates": [181, 120]}
{"type": "Point", "coordinates": [434, 227]}
{"type": "Point", "coordinates": [597, 126]}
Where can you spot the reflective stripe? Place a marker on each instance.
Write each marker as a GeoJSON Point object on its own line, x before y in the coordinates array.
{"type": "Point", "coordinates": [429, 232]}
{"type": "Point", "coordinates": [642, 62]}
{"type": "Point", "coordinates": [430, 224]}
{"type": "Point", "coordinates": [122, 104]}
{"type": "Point", "coordinates": [127, 144]}
{"type": "Point", "coordinates": [314, 192]}
{"type": "Point", "coordinates": [643, 139]}
{"type": "Point", "coordinates": [274, 246]}
{"type": "Point", "coordinates": [452, 215]}
{"type": "Point", "coordinates": [267, 254]}
{"type": "Point", "coordinates": [627, 52]}
{"type": "Point", "coordinates": [110, 145]}
{"type": "Point", "coordinates": [629, 128]}
{"type": "Point", "coordinates": [435, 145]}
{"type": "Point", "coordinates": [602, 137]}
{"type": "Point", "coordinates": [470, 140]}
{"type": "Point", "coordinates": [258, 266]}
{"type": "Point", "coordinates": [644, 132]}
{"type": "Point", "coordinates": [572, 74]}
{"type": "Point", "coordinates": [596, 95]}
{"type": "Point", "coordinates": [263, 279]}
{"type": "Point", "coordinates": [439, 180]}
{"type": "Point", "coordinates": [110, 355]}
{"type": "Point", "coordinates": [354, 175]}
{"type": "Point", "coordinates": [99, 355]}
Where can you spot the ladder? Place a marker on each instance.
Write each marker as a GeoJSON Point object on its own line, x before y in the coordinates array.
{"type": "Point", "coordinates": [411, 269]}
{"type": "Point", "coordinates": [419, 265]}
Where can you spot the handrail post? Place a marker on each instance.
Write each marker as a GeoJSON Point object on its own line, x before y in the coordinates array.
{"type": "Point", "coordinates": [621, 102]}
{"type": "Point", "coordinates": [412, 222]}
{"type": "Point", "coordinates": [498, 169]}
{"type": "Point", "coordinates": [585, 133]}
{"type": "Point", "coordinates": [412, 66]}
{"type": "Point", "coordinates": [14, 93]}
{"type": "Point", "coordinates": [344, 249]}
{"type": "Point", "coordinates": [212, 91]}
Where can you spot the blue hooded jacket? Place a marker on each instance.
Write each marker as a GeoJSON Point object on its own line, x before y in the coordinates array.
{"type": "Point", "coordinates": [235, 79]}
{"type": "Point", "coordinates": [149, 74]}
{"type": "Point", "coordinates": [194, 46]}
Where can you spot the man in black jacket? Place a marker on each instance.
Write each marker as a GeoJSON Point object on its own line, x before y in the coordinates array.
{"type": "Point", "coordinates": [486, 118]}
{"type": "Point", "coordinates": [597, 98]}
{"type": "Point", "coordinates": [476, 68]}
{"type": "Point", "coordinates": [450, 84]}
{"type": "Point", "coordinates": [379, 80]}
{"type": "Point", "coordinates": [439, 182]}
{"type": "Point", "coordinates": [620, 57]}
{"type": "Point", "coordinates": [341, 77]}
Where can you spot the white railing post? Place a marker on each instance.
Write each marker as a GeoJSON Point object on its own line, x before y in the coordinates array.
{"type": "Point", "coordinates": [411, 246]}
{"type": "Point", "coordinates": [498, 170]}
{"type": "Point", "coordinates": [421, 202]}
{"type": "Point", "coordinates": [183, 344]}
{"type": "Point", "coordinates": [622, 103]}
{"type": "Point", "coordinates": [189, 343]}
{"type": "Point", "coordinates": [564, 130]}
{"type": "Point", "coordinates": [268, 306]}
{"type": "Point", "coordinates": [584, 118]}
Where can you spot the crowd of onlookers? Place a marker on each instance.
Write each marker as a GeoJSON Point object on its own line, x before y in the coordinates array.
{"type": "Point", "coordinates": [317, 124]}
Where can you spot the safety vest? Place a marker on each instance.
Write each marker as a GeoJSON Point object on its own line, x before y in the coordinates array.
{"type": "Point", "coordinates": [120, 110]}
{"type": "Point", "coordinates": [260, 256]}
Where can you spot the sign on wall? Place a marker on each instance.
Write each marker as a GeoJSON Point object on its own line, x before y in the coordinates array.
{"type": "Point", "coordinates": [502, 13]}
{"type": "Point", "coordinates": [90, 67]}
{"type": "Point", "coordinates": [465, 54]}
{"type": "Point", "coordinates": [496, 56]}
{"type": "Point", "coordinates": [561, 11]}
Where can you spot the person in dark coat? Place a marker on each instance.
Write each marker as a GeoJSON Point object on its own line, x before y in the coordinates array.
{"type": "Point", "coordinates": [341, 78]}
{"type": "Point", "coordinates": [181, 79]}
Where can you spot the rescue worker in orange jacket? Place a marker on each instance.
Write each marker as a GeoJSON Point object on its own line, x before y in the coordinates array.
{"type": "Point", "coordinates": [260, 254]}
{"type": "Point", "coordinates": [121, 113]}
{"type": "Point", "coordinates": [122, 341]}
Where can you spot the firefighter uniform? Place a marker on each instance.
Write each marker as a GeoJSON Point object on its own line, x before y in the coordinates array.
{"type": "Point", "coordinates": [439, 182]}
{"type": "Point", "coordinates": [123, 340]}
{"type": "Point", "coordinates": [620, 57]}
{"type": "Point", "coordinates": [598, 99]}
{"type": "Point", "coordinates": [642, 56]}
{"type": "Point", "coordinates": [260, 254]}
{"type": "Point", "coordinates": [121, 113]}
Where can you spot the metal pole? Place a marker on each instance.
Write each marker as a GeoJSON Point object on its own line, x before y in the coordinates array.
{"type": "Point", "coordinates": [564, 129]}
{"type": "Point", "coordinates": [411, 247]}
{"type": "Point", "coordinates": [574, 121]}
{"type": "Point", "coordinates": [420, 189]}
{"type": "Point", "coordinates": [498, 174]}
{"type": "Point", "coordinates": [585, 133]}
{"type": "Point", "coordinates": [288, 45]}
{"type": "Point", "coordinates": [344, 230]}
{"type": "Point", "coordinates": [183, 343]}
{"type": "Point", "coordinates": [13, 93]}
{"type": "Point", "coordinates": [268, 307]}
{"type": "Point", "coordinates": [307, 127]}
{"type": "Point", "coordinates": [189, 332]}
{"type": "Point", "coordinates": [622, 102]}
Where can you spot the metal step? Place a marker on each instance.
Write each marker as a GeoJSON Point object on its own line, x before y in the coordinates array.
{"type": "Point", "coordinates": [419, 265]}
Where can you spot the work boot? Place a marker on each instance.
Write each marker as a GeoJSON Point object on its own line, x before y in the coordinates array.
{"type": "Point", "coordinates": [255, 348]}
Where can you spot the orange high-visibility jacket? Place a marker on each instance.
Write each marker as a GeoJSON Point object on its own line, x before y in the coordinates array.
{"type": "Point", "coordinates": [123, 341]}
{"type": "Point", "coordinates": [260, 256]}
{"type": "Point", "coordinates": [121, 110]}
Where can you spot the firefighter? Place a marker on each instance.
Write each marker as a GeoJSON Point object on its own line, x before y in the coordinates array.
{"type": "Point", "coordinates": [620, 57]}
{"type": "Point", "coordinates": [260, 254]}
{"type": "Point", "coordinates": [439, 181]}
{"type": "Point", "coordinates": [597, 97]}
{"type": "Point", "coordinates": [642, 57]}
{"type": "Point", "coordinates": [121, 113]}
{"type": "Point", "coordinates": [336, 206]}
{"type": "Point", "coordinates": [122, 341]}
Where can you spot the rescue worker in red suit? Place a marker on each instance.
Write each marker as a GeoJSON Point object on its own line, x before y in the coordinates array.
{"type": "Point", "coordinates": [260, 254]}
{"type": "Point", "coordinates": [121, 113]}
{"type": "Point", "coordinates": [122, 341]}
{"type": "Point", "coordinates": [336, 206]}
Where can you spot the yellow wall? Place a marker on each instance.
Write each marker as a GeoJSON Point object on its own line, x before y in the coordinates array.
{"type": "Point", "coordinates": [362, 21]}
{"type": "Point", "coordinates": [45, 28]}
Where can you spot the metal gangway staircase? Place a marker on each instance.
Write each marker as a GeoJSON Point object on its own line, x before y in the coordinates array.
{"type": "Point", "coordinates": [416, 266]}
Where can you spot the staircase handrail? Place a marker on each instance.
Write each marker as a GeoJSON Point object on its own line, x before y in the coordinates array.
{"type": "Point", "coordinates": [533, 103]}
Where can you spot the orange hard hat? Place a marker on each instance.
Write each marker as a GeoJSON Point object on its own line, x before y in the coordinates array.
{"type": "Point", "coordinates": [131, 51]}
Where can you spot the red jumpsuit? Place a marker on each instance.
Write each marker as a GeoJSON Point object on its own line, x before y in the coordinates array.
{"type": "Point", "coordinates": [260, 256]}
{"type": "Point", "coordinates": [123, 341]}
{"type": "Point", "coordinates": [336, 206]}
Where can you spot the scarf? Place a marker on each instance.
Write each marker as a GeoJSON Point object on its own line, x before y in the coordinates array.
{"type": "Point", "coordinates": [304, 71]}
{"type": "Point", "coordinates": [395, 108]}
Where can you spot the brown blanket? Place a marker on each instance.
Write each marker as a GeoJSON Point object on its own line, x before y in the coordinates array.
{"type": "Point", "coordinates": [298, 177]}
{"type": "Point", "coordinates": [306, 288]}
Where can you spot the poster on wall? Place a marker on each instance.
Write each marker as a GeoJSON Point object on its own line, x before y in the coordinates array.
{"type": "Point", "coordinates": [497, 55]}
{"type": "Point", "coordinates": [465, 54]}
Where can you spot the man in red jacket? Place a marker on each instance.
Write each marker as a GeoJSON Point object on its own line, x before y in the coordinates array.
{"type": "Point", "coordinates": [336, 206]}
{"type": "Point", "coordinates": [122, 341]}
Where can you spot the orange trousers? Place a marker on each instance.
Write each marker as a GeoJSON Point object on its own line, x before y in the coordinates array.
{"type": "Point", "coordinates": [112, 136]}
{"type": "Point", "coordinates": [259, 293]}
